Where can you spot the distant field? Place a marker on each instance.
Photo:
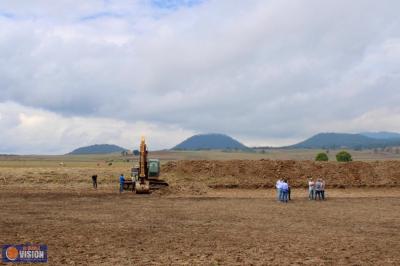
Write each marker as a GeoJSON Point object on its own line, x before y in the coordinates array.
{"type": "Point", "coordinates": [273, 154]}
{"type": "Point", "coordinates": [118, 160]}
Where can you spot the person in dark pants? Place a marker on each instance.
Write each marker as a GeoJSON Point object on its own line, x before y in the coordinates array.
{"type": "Point", "coordinates": [289, 190]}
{"type": "Point", "coordinates": [318, 189]}
{"type": "Point", "coordinates": [121, 183]}
{"type": "Point", "coordinates": [323, 189]}
{"type": "Point", "coordinates": [311, 189]}
{"type": "Point", "coordinates": [284, 187]}
{"type": "Point", "coordinates": [94, 180]}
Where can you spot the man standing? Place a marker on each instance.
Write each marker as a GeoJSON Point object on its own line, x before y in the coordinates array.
{"type": "Point", "coordinates": [311, 189]}
{"type": "Point", "coordinates": [284, 189]}
{"type": "Point", "coordinates": [121, 183]}
{"type": "Point", "coordinates": [318, 189]}
{"type": "Point", "coordinates": [323, 189]}
{"type": "Point", "coordinates": [94, 180]}
{"type": "Point", "coordinates": [278, 189]}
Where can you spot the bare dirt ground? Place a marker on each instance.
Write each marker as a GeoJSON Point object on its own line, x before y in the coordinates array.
{"type": "Point", "coordinates": [264, 173]}
{"type": "Point", "coordinates": [197, 221]}
{"type": "Point", "coordinates": [224, 227]}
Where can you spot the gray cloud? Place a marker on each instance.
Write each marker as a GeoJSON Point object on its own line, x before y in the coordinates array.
{"type": "Point", "coordinates": [267, 72]}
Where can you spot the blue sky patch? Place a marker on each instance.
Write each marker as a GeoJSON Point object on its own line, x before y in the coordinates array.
{"type": "Point", "coordinates": [104, 14]}
{"type": "Point", "coordinates": [174, 4]}
{"type": "Point", "coordinates": [6, 14]}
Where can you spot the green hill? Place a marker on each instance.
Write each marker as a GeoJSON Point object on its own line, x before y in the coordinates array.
{"type": "Point", "coordinates": [381, 135]}
{"type": "Point", "coordinates": [210, 142]}
{"type": "Point", "coordinates": [344, 140]}
{"type": "Point", "coordinates": [98, 149]}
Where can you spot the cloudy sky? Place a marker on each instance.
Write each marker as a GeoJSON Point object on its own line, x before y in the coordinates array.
{"type": "Point", "coordinates": [267, 72]}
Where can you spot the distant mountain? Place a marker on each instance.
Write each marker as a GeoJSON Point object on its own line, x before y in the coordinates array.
{"type": "Point", "coordinates": [381, 135]}
{"type": "Point", "coordinates": [343, 140]}
{"type": "Point", "coordinates": [210, 142]}
{"type": "Point", "coordinates": [98, 149]}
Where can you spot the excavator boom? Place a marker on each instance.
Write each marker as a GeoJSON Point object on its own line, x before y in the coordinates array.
{"type": "Point", "coordinates": [142, 185]}
{"type": "Point", "coordinates": [147, 172]}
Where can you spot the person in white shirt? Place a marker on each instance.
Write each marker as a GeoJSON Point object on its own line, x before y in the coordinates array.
{"type": "Point", "coordinates": [311, 189]}
{"type": "Point", "coordinates": [278, 189]}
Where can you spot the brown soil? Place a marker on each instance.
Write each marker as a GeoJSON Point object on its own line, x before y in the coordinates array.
{"type": "Point", "coordinates": [195, 222]}
{"type": "Point", "coordinates": [264, 173]}
{"type": "Point", "coordinates": [226, 227]}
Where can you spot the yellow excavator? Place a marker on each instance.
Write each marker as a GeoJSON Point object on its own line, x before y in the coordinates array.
{"type": "Point", "coordinates": [145, 175]}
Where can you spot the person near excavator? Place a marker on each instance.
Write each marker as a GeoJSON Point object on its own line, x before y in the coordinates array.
{"type": "Point", "coordinates": [121, 183]}
{"type": "Point", "coordinates": [94, 181]}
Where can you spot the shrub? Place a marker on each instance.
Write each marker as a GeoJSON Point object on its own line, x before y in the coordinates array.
{"type": "Point", "coordinates": [322, 157]}
{"type": "Point", "coordinates": [343, 156]}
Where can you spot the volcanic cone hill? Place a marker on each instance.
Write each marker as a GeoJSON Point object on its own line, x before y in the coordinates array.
{"type": "Point", "coordinates": [210, 142]}
{"type": "Point", "coordinates": [98, 149]}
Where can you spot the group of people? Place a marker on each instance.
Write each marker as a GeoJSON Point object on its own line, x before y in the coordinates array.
{"type": "Point", "coordinates": [283, 190]}
{"type": "Point", "coordinates": [316, 189]}
{"type": "Point", "coordinates": [121, 182]}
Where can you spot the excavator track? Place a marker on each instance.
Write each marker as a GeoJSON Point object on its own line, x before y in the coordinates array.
{"type": "Point", "coordinates": [157, 184]}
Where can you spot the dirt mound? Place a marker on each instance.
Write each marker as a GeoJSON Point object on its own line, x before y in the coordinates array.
{"type": "Point", "coordinates": [264, 173]}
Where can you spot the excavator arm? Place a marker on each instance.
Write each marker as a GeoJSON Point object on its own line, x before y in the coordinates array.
{"type": "Point", "coordinates": [142, 185]}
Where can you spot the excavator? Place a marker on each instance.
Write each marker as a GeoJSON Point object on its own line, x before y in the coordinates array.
{"type": "Point", "coordinates": [145, 174]}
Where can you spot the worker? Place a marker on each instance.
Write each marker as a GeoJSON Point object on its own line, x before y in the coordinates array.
{"type": "Point", "coordinates": [278, 189]}
{"type": "Point", "coordinates": [284, 191]}
{"type": "Point", "coordinates": [289, 190]}
{"type": "Point", "coordinates": [311, 189]}
{"type": "Point", "coordinates": [318, 189]}
{"type": "Point", "coordinates": [121, 183]}
{"type": "Point", "coordinates": [323, 189]}
{"type": "Point", "coordinates": [94, 180]}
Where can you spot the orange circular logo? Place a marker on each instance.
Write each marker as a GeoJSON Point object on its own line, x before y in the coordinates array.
{"type": "Point", "coordinates": [12, 253]}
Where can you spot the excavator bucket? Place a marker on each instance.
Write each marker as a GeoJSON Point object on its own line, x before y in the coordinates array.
{"type": "Point", "coordinates": [142, 187]}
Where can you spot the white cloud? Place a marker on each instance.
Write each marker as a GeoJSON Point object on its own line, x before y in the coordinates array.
{"type": "Point", "coordinates": [267, 72]}
{"type": "Point", "coordinates": [30, 130]}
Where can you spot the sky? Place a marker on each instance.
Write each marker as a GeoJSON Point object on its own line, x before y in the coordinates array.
{"type": "Point", "coordinates": [266, 72]}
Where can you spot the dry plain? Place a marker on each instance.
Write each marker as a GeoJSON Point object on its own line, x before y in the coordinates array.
{"type": "Point", "coordinates": [191, 222]}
